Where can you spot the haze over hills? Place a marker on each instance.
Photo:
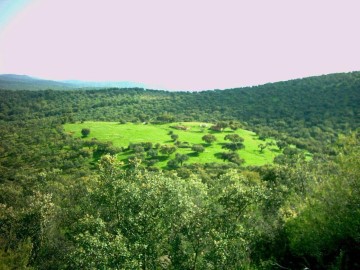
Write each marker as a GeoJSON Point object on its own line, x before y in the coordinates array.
{"type": "Point", "coordinates": [25, 82]}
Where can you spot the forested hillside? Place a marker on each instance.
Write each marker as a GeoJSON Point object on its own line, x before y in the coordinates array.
{"type": "Point", "coordinates": [68, 203]}
{"type": "Point", "coordinates": [312, 111]}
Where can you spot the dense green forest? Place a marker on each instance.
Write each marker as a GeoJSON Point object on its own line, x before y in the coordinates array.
{"type": "Point", "coordinates": [63, 206]}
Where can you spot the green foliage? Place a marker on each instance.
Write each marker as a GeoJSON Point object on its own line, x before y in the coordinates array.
{"type": "Point", "coordinates": [326, 226]}
{"type": "Point", "coordinates": [96, 248]}
{"type": "Point", "coordinates": [181, 158]}
{"type": "Point", "coordinates": [85, 132]}
{"type": "Point", "coordinates": [233, 146]}
{"type": "Point", "coordinates": [233, 138]}
{"type": "Point", "coordinates": [174, 137]}
{"type": "Point", "coordinates": [147, 209]}
{"type": "Point", "coordinates": [198, 148]}
{"type": "Point", "coordinates": [167, 149]}
{"type": "Point", "coordinates": [16, 258]}
{"type": "Point", "coordinates": [209, 138]}
{"type": "Point", "coordinates": [232, 157]}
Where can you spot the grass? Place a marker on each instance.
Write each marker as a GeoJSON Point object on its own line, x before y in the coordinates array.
{"type": "Point", "coordinates": [123, 134]}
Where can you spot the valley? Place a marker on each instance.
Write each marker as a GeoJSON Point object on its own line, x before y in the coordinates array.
{"type": "Point", "coordinates": [263, 177]}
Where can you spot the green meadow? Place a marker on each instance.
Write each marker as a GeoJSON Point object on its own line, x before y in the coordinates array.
{"type": "Point", "coordinates": [121, 135]}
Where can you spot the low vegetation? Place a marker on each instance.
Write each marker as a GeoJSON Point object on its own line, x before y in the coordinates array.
{"type": "Point", "coordinates": [189, 141]}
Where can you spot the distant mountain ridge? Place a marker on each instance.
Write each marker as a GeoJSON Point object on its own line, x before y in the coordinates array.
{"type": "Point", "coordinates": [122, 84]}
{"type": "Point", "coordinates": [25, 82]}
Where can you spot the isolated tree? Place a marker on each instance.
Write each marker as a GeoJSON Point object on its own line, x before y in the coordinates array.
{"type": "Point", "coordinates": [167, 149]}
{"type": "Point", "coordinates": [181, 158]}
{"type": "Point", "coordinates": [233, 146]}
{"type": "Point", "coordinates": [174, 137]}
{"type": "Point", "coordinates": [232, 157]}
{"type": "Point", "coordinates": [85, 132]}
{"type": "Point", "coordinates": [236, 142]}
{"type": "Point", "coordinates": [209, 138]}
{"type": "Point", "coordinates": [234, 137]}
{"type": "Point", "coordinates": [263, 146]}
{"type": "Point", "coordinates": [198, 148]}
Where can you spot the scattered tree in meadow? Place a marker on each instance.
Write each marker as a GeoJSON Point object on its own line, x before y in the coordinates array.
{"type": "Point", "coordinates": [234, 138]}
{"type": "Point", "coordinates": [232, 157]}
{"type": "Point", "coordinates": [236, 142]}
{"type": "Point", "coordinates": [181, 158]}
{"type": "Point", "coordinates": [209, 138]}
{"type": "Point", "coordinates": [174, 137]}
{"type": "Point", "coordinates": [198, 148]}
{"type": "Point", "coordinates": [167, 149]}
{"type": "Point", "coordinates": [85, 132]}
{"type": "Point", "coordinates": [262, 147]}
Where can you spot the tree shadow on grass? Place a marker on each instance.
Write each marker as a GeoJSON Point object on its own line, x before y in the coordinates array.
{"type": "Point", "coordinates": [193, 154]}
{"type": "Point", "coordinates": [213, 131]}
{"type": "Point", "coordinates": [162, 158]}
{"type": "Point", "coordinates": [219, 156]}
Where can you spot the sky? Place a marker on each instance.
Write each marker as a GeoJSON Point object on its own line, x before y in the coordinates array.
{"type": "Point", "coordinates": [179, 45]}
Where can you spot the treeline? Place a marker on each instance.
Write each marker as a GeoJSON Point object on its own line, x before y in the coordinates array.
{"type": "Point", "coordinates": [312, 111]}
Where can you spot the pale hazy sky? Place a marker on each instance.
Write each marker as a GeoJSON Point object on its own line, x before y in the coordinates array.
{"type": "Point", "coordinates": [180, 45]}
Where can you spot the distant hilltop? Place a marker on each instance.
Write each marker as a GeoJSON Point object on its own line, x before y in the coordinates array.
{"type": "Point", "coordinates": [25, 82]}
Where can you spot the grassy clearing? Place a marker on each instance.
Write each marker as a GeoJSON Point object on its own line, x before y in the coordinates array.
{"type": "Point", "coordinates": [123, 134]}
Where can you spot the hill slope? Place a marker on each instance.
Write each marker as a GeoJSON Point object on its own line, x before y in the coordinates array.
{"type": "Point", "coordinates": [312, 111]}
